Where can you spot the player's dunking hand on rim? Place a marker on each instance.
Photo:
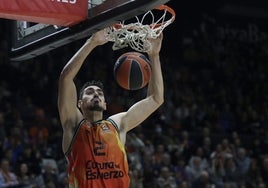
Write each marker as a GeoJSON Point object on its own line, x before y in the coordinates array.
{"type": "Point", "coordinates": [93, 146]}
{"type": "Point", "coordinates": [100, 37]}
{"type": "Point", "coordinates": [155, 45]}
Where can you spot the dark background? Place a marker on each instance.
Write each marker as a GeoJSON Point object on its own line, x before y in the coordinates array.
{"type": "Point", "coordinates": [214, 62]}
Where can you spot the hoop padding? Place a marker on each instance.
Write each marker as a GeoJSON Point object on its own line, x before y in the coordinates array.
{"type": "Point", "coordinates": [137, 34]}
{"type": "Point", "coordinates": [50, 12]}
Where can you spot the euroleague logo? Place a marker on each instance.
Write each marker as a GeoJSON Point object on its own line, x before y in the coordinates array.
{"type": "Point", "coordinates": [65, 1]}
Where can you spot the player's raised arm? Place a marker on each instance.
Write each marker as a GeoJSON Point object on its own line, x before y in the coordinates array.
{"type": "Point", "coordinates": [156, 86]}
{"type": "Point", "coordinates": [67, 95]}
{"type": "Point", "coordinates": [155, 96]}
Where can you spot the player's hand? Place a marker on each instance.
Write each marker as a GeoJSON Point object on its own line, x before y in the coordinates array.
{"type": "Point", "coordinates": [155, 45]}
{"type": "Point", "coordinates": [99, 38]}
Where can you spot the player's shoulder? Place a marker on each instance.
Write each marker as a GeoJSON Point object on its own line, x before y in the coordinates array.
{"type": "Point", "coordinates": [117, 118]}
{"type": "Point", "coordinates": [112, 123]}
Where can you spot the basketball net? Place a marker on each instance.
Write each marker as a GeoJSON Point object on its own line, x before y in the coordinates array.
{"type": "Point", "coordinates": [137, 34]}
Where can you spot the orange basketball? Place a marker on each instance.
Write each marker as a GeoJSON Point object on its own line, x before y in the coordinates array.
{"type": "Point", "coordinates": [132, 71]}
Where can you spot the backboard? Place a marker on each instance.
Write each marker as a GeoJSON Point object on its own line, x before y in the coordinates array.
{"type": "Point", "coordinates": [33, 39]}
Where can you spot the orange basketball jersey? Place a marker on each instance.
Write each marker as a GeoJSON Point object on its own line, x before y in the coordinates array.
{"type": "Point", "coordinates": [96, 157]}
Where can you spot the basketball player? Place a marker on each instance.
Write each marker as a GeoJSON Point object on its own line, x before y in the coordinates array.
{"type": "Point", "coordinates": [94, 147]}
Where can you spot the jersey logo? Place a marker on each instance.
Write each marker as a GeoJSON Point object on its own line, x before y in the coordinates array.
{"type": "Point", "coordinates": [105, 127]}
{"type": "Point", "coordinates": [99, 148]}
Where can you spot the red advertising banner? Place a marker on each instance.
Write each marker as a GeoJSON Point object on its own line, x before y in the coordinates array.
{"type": "Point", "coordinates": [53, 12]}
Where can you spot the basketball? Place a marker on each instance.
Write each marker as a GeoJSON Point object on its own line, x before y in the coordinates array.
{"type": "Point", "coordinates": [132, 70]}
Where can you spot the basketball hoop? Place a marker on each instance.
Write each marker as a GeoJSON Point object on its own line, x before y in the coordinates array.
{"type": "Point", "coordinates": [136, 34]}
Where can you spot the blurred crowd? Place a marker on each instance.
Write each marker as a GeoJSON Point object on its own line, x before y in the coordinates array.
{"type": "Point", "coordinates": [211, 131]}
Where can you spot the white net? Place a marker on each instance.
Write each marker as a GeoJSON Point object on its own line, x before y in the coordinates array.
{"type": "Point", "coordinates": [137, 34]}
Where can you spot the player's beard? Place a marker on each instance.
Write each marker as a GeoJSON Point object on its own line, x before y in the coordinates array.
{"type": "Point", "coordinates": [95, 107]}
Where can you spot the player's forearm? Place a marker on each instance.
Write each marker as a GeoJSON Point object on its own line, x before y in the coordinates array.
{"type": "Point", "coordinates": [73, 66]}
{"type": "Point", "coordinates": [156, 86]}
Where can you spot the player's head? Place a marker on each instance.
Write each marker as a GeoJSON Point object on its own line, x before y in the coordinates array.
{"type": "Point", "coordinates": [90, 83]}
{"type": "Point", "coordinates": [91, 96]}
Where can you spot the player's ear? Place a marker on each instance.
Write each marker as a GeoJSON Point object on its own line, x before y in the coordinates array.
{"type": "Point", "coordinates": [105, 106]}
{"type": "Point", "coordinates": [79, 103]}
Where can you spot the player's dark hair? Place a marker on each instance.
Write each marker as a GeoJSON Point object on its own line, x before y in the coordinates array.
{"type": "Point", "coordinates": [90, 83]}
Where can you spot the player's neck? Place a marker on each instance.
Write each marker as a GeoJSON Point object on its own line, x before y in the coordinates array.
{"type": "Point", "coordinates": [93, 116]}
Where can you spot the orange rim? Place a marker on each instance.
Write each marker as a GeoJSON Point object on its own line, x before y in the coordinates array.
{"type": "Point", "coordinates": [160, 7]}
{"type": "Point", "coordinates": [167, 8]}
